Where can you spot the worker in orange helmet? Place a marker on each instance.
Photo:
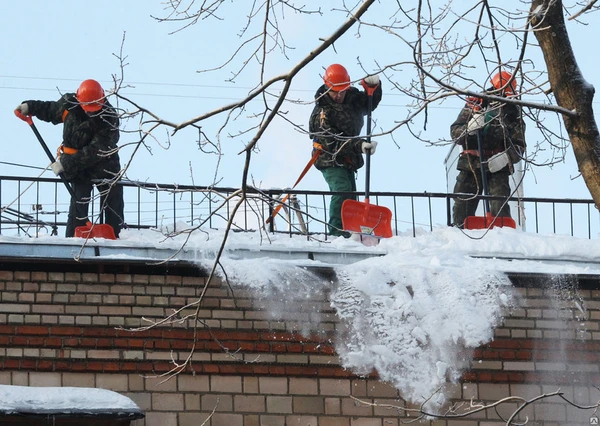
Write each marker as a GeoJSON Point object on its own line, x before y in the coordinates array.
{"type": "Point", "coordinates": [501, 130]}
{"type": "Point", "coordinates": [336, 120]}
{"type": "Point", "coordinates": [88, 154]}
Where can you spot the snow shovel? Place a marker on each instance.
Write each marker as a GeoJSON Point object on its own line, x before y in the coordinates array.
{"type": "Point", "coordinates": [487, 221]}
{"type": "Point", "coordinates": [363, 217]}
{"type": "Point", "coordinates": [89, 230]}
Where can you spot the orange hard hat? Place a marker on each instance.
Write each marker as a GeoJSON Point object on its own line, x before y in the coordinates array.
{"type": "Point", "coordinates": [336, 78]}
{"type": "Point", "coordinates": [90, 95]}
{"type": "Point", "coordinates": [500, 79]}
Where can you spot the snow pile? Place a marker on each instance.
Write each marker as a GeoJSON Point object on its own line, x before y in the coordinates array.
{"type": "Point", "coordinates": [416, 326]}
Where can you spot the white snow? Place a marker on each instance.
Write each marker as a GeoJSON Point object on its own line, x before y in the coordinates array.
{"type": "Point", "coordinates": [30, 399]}
{"type": "Point", "coordinates": [414, 311]}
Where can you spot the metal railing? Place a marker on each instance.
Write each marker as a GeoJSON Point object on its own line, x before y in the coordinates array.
{"type": "Point", "coordinates": [39, 206]}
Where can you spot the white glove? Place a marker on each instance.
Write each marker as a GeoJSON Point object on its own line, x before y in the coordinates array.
{"type": "Point", "coordinates": [497, 162]}
{"type": "Point", "coordinates": [23, 108]}
{"type": "Point", "coordinates": [476, 122]}
{"type": "Point", "coordinates": [57, 168]}
{"type": "Point", "coordinates": [371, 146]}
{"type": "Point", "coordinates": [372, 80]}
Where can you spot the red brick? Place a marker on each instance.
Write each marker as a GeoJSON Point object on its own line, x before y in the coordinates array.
{"type": "Point", "coordinates": [210, 369]}
{"type": "Point", "coordinates": [7, 329]}
{"type": "Point", "coordinates": [278, 347]}
{"type": "Point", "coordinates": [19, 341]}
{"type": "Point", "coordinates": [11, 364]}
{"type": "Point", "coordinates": [45, 365]}
{"type": "Point", "coordinates": [247, 347]}
{"type": "Point", "coordinates": [38, 330]}
{"type": "Point", "coordinates": [262, 347]}
{"type": "Point", "coordinates": [507, 355]}
{"type": "Point", "coordinates": [95, 366]}
{"type": "Point", "coordinates": [111, 367]}
{"type": "Point", "coordinates": [36, 341]}
{"type": "Point", "coordinates": [295, 348]}
{"type": "Point", "coordinates": [66, 330]}
{"type": "Point", "coordinates": [28, 364]}
{"type": "Point", "coordinates": [104, 343]}
{"type": "Point", "coordinates": [505, 343]}
{"type": "Point", "coordinates": [228, 369]}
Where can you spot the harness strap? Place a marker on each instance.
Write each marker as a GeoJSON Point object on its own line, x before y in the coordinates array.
{"type": "Point", "coordinates": [486, 153]}
{"type": "Point", "coordinates": [65, 150]}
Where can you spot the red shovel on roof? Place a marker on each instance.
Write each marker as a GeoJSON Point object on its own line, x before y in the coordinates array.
{"type": "Point", "coordinates": [89, 230]}
{"type": "Point", "coordinates": [363, 217]}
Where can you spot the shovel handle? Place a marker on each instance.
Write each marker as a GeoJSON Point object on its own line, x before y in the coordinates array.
{"type": "Point", "coordinates": [25, 118]}
{"type": "Point", "coordinates": [29, 120]}
{"type": "Point", "coordinates": [484, 184]}
{"type": "Point", "coordinates": [370, 90]}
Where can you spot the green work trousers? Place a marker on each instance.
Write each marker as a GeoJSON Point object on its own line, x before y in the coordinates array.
{"type": "Point", "coordinates": [339, 179]}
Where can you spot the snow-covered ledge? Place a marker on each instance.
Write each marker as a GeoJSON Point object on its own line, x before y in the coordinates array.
{"type": "Point", "coordinates": [20, 404]}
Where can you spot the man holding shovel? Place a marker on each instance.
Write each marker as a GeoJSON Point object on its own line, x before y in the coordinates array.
{"type": "Point", "coordinates": [492, 135]}
{"type": "Point", "coordinates": [336, 120]}
{"type": "Point", "coordinates": [88, 155]}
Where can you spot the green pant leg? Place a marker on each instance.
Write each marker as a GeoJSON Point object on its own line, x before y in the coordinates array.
{"type": "Point", "coordinates": [339, 179]}
{"type": "Point", "coordinates": [498, 184]}
{"type": "Point", "coordinates": [466, 183]}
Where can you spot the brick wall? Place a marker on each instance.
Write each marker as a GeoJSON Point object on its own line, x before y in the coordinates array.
{"type": "Point", "coordinates": [74, 326]}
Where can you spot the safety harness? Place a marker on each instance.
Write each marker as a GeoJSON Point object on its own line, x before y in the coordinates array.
{"type": "Point", "coordinates": [62, 149]}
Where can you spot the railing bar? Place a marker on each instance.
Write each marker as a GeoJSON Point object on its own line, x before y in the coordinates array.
{"type": "Point", "coordinates": [19, 208]}
{"type": "Point", "coordinates": [589, 222]}
{"type": "Point", "coordinates": [156, 209]}
{"type": "Point", "coordinates": [37, 210]}
{"type": "Point", "coordinates": [537, 218]}
{"type": "Point", "coordinates": [192, 208]}
{"type": "Point", "coordinates": [554, 217]}
{"type": "Point", "coordinates": [430, 215]}
{"type": "Point", "coordinates": [325, 221]}
{"type": "Point", "coordinates": [395, 216]}
{"type": "Point", "coordinates": [571, 213]}
{"type": "Point", "coordinates": [412, 213]}
{"type": "Point", "coordinates": [307, 221]}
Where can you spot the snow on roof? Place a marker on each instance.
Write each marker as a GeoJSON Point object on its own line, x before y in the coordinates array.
{"type": "Point", "coordinates": [65, 400]}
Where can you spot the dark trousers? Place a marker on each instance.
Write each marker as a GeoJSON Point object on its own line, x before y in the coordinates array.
{"type": "Point", "coordinates": [339, 179]}
{"type": "Point", "coordinates": [469, 182]}
{"type": "Point", "coordinates": [112, 201]}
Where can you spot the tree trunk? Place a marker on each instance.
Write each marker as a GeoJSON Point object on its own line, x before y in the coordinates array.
{"type": "Point", "coordinates": [570, 89]}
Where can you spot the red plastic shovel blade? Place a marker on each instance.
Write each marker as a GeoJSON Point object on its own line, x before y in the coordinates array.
{"type": "Point", "coordinates": [367, 218]}
{"type": "Point", "coordinates": [90, 230]}
{"type": "Point", "coordinates": [488, 221]}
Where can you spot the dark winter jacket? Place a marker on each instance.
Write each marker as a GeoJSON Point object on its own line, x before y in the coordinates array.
{"type": "Point", "coordinates": [93, 136]}
{"type": "Point", "coordinates": [504, 131]}
{"type": "Point", "coordinates": [334, 126]}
